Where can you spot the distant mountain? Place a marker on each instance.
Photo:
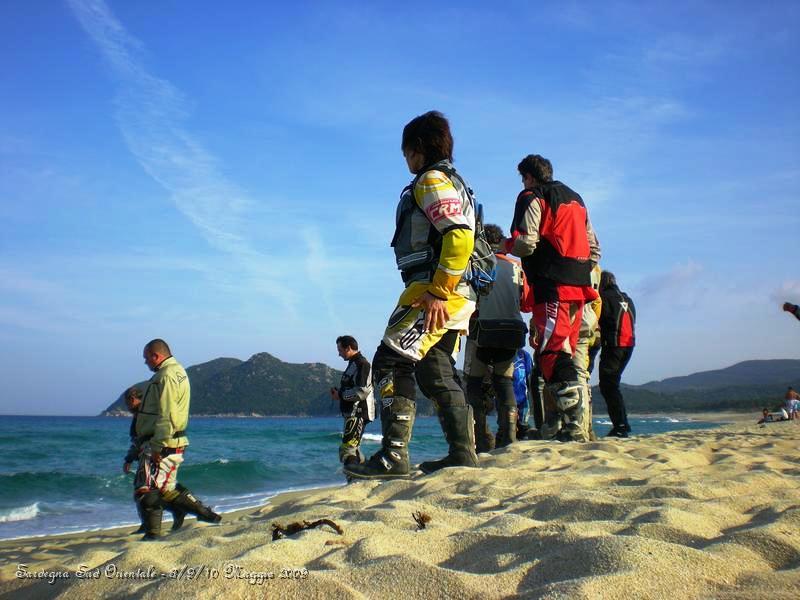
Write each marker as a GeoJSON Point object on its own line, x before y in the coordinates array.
{"type": "Point", "coordinates": [747, 373]}
{"type": "Point", "coordinates": [748, 385]}
{"type": "Point", "coordinates": [263, 385]}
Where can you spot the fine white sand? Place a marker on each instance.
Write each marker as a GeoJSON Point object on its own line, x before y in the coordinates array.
{"type": "Point", "coordinates": [691, 514]}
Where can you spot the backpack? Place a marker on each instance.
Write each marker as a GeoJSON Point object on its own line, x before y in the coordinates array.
{"type": "Point", "coordinates": [481, 271]}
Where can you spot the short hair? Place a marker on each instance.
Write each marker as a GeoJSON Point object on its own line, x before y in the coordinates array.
{"type": "Point", "coordinates": [607, 279]}
{"type": "Point", "coordinates": [133, 392]}
{"type": "Point", "coordinates": [158, 346]}
{"type": "Point", "coordinates": [429, 135]}
{"type": "Point", "coordinates": [537, 167]}
{"type": "Point", "coordinates": [494, 234]}
{"type": "Point", "coordinates": [347, 341]}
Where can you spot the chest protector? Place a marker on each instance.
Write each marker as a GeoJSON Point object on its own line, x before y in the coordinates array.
{"type": "Point", "coordinates": [562, 254]}
{"type": "Point", "coordinates": [417, 243]}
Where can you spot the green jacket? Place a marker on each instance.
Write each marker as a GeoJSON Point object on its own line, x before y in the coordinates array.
{"type": "Point", "coordinates": [165, 408]}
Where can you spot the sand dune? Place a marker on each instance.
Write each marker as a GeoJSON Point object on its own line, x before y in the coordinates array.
{"type": "Point", "coordinates": [695, 514]}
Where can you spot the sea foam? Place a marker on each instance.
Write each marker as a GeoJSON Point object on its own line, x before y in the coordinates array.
{"type": "Point", "coordinates": [23, 513]}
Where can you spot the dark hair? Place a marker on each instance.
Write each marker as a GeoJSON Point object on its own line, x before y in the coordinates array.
{"type": "Point", "coordinates": [133, 392]}
{"type": "Point", "coordinates": [347, 341]}
{"type": "Point", "coordinates": [537, 167]}
{"type": "Point", "coordinates": [158, 346]}
{"type": "Point", "coordinates": [494, 235]}
{"type": "Point", "coordinates": [607, 279]}
{"type": "Point", "coordinates": [429, 135]}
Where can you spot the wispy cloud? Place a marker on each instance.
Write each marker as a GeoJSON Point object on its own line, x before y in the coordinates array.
{"type": "Point", "coordinates": [672, 284]}
{"type": "Point", "coordinates": [151, 113]}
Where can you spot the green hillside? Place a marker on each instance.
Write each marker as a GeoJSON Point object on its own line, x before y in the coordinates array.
{"type": "Point", "coordinates": [263, 385]}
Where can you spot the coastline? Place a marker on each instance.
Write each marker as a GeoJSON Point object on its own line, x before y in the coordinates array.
{"type": "Point", "coordinates": [695, 513]}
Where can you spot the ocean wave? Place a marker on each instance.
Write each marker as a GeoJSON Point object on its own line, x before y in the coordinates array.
{"type": "Point", "coordinates": [23, 513]}
{"type": "Point", "coordinates": [602, 422]}
{"type": "Point", "coordinates": [54, 485]}
{"type": "Point", "coordinates": [230, 475]}
{"type": "Point", "coordinates": [372, 437]}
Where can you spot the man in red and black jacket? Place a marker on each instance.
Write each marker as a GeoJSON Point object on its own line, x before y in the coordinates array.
{"type": "Point", "coordinates": [617, 337]}
{"type": "Point", "coordinates": [553, 236]}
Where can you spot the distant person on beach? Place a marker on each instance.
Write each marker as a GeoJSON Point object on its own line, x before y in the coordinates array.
{"type": "Point", "coordinates": [433, 242]}
{"type": "Point", "coordinates": [553, 235]}
{"type": "Point", "coordinates": [765, 416]}
{"type": "Point", "coordinates": [133, 401]}
{"type": "Point", "coordinates": [768, 417]}
{"type": "Point", "coordinates": [355, 399]}
{"type": "Point", "coordinates": [792, 309]}
{"type": "Point", "coordinates": [617, 338]}
{"type": "Point", "coordinates": [497, 332]}
{"type": "Point", "coordinates": [792, 404]}
{"type": "Point", "coordinates": [161, 425]}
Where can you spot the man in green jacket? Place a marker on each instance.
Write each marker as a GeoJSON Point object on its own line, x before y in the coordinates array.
{"type": "Point", "coordinates": [161, 425]}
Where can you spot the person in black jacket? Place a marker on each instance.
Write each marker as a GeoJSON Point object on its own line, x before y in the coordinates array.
{"type": "Point", "coordinates": [355, 398]}
{"type": "Point", "coordinates": [617, 323]}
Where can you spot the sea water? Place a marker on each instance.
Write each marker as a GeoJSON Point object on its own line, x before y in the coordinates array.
{"type": "Point", "coordinates": [64, 474]}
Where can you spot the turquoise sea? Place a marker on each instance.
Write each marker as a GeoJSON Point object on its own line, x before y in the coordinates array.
{"type": "Point", "coordinates": [64, 474]}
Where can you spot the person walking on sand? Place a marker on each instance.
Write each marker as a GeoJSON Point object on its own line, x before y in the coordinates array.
{"type": "Point", "coordinates": [355, 399]}
{"type": "Point", "coordinates": [133, 401]}
{"type": "Point", "coordinates": [553, 235]}
{"type": "Point", "coordinates": [433, 242]}
{"type": "Point", "coordinates": [792, 404]}
{"type": "Point", "coordinates": [617, 338]}
{"type": "Point", "coordinates": [161, 434]}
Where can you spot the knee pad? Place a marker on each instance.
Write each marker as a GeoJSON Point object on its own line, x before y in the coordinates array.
{"type": "Point", "coordinates": [353, 428]}
{"type": "Point", "coordinates": [568, 395]}
{"type": "Point", "coordinates": [383, 382]}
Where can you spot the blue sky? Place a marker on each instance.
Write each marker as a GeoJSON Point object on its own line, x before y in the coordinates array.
{"type": "Point", "coordinates": [225, 176]}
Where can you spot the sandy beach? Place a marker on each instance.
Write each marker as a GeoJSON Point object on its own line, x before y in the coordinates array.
{"type": "Point", "coordinates": [689, 514]}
